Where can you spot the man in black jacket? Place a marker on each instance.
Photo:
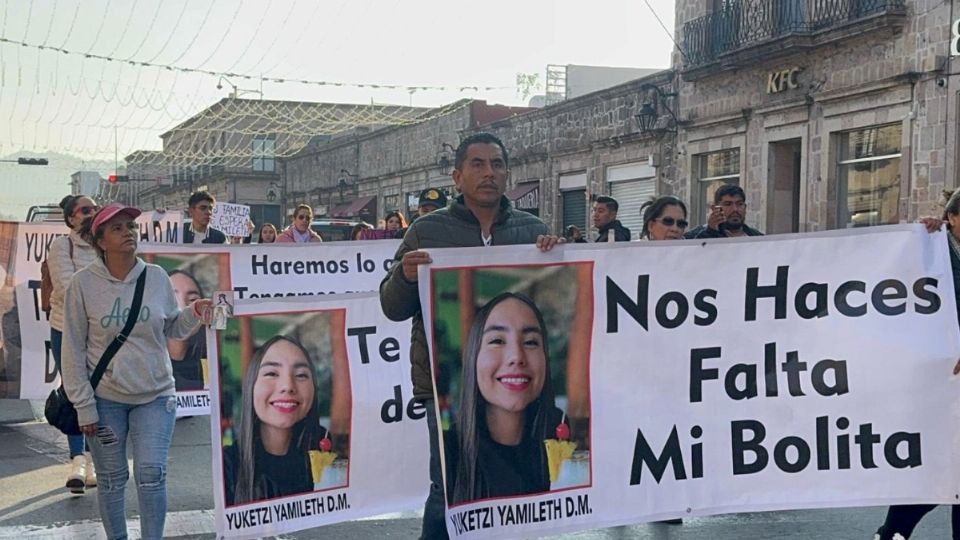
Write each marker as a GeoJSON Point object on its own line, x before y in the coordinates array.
{"type": "Point", "coordinates": [726, 216]}
{"type": "Point", "coordinates": [480, 216]}
{"type": "Point", "coordinates": [201, 205]}
{"type": "Point", "coordinates": [605, 220]}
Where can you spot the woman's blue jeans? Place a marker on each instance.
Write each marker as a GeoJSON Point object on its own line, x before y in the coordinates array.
{"type": "Point", "coordinates": [150, 429]}
{"type": "Point", "coordinates": [74, 442]}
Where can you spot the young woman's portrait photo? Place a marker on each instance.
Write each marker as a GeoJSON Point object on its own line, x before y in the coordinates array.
{"type": "Point", "coordinates": [512, 379]}
{"type": "Point", "coordinates": [286, 419]}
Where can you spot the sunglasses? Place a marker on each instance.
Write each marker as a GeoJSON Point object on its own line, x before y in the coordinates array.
{"type": "Point", "coordinates": [86, 210]}
{"type": "Point", "coordinates": [670, 222]}
{"type": "Point", "coordinates": [303, 217]}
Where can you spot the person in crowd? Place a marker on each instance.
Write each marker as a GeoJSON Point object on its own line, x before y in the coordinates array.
{"type": "Point", "coordinates": [359, 230]}
{"type": "Point", "coordinates": [574, 235]}
{"type": "Point", "coordinates": [902, 519]}
{"type": "Point", "coordinates": [300, 232]}
{"type": "Point", "coordinates": [431, 199]}
{"type": "Point", "coordinates": [67, 255]}
{"type": "Point", "coordinates": [396, 223]}
{"type": "Point", "coordinates": [507, 407]}
{"type": "Point", "coordinates": [664, 218]}
{"type": "Point", "coordinates": [480, 216]}
{"type": "Point", "coordinates": [267, 234]}
{"type": "Point", "coordinates": [135, 398]}
{"type": "Point", "coordinates": [186, 355]}
{"type": "Point", "coordinates": [200, 207]}
{"type": "Point", "coordinates": [605, 220]}
{"type": "Point", "coordinates": [726, 218]}
{"type": "Point", "coordinates": [279, 424]}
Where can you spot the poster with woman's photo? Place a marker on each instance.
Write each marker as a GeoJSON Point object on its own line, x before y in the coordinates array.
{"type": "Point", "coordinates": [607, 384]}
{"type": "Point", "coordinates": [511, 358]}
{"type": "Point", "coordinates": [305, 392]}
{"type": "Point", "coordinates": [194, 274]}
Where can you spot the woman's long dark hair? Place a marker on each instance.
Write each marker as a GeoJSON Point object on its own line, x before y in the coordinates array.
{"type": "Point", "coordinates": [470, 482]}
{"type": "Point", "coordinates": [654, 208]}
{"type": "Point", "coordinates": [251, 486]}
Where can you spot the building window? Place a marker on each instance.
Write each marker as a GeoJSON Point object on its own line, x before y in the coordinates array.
{"type": "Point", "coordinates": [264, 151]}
{"type": "Point", "coordinates": [868, 174]}
{"type": "Point", "coordinates": [714, 170]}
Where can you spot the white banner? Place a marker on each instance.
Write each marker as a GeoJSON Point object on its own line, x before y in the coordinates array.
{"type": "Point", "coordinates": [251, 270]}
{"type": "Point", "coordinates": [317, 423]}
{"type": "Point", "coordinates": [161, 227]}
{"type": "Point", "coordinates": [655, 380]}
{"type": "Point", "coordinates": [231, 219]}
{"type": "Point", "coordinates": [38, 374]}
{"type": "Point", "coordinates": [275, 270]}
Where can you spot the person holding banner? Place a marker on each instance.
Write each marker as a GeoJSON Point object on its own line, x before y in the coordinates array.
{"type": "Point", "coordinates": [507, 408]}
{"type": "Point", "coordinates": [902, 519]}
{"type": "Point", "coordinates": [300, 232]}
{"type": "Point", "coordinates": [480, 216]}
{"type": "Point", "coordinates": [67, 255]}
{"type": "Point", "coordinates": [664, 218]}
{"type": "Point", "coordinates": [135, 398]}
{"type": "Point", "coordinates": [279, 426]}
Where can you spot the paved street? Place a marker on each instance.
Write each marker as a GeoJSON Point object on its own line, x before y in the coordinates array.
{"type": "Point", "coordinates": [34, 505]}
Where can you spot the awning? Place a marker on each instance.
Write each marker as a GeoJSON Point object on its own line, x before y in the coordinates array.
{"type": "Point", "coordinates": [364, 207]}
{"type": "Point", "coordinates": [525, 196]}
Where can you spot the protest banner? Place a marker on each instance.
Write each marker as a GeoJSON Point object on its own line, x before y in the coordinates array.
{"type": "Point", "coordinates": [195, 272]}
{"type": "Point", "coordinates": [161, 227]}
{"type": "Point", "coordinates": [694, 378]}
{"type": "Point", "coordinates": [231, 219]}
{"type": "Point", "coordinates": [27, 369]}
{"type": "Point", "coordinates": [274, 270]}
{"type": "Point", "coordinates": [314, 419]}
{"type": "Point", "coordinates": [251, 271]}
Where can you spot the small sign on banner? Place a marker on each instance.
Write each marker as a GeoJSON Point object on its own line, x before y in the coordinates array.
{"type": "Point", "coordinates": [231, 219]}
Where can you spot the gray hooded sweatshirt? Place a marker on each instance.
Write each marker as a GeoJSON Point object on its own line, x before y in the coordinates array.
{"type": "Point", "coordinates": [95, 310]}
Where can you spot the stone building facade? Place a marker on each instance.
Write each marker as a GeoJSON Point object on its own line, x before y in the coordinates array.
{"type": "Point", "coordinates": [561, 158]}
{"type": "Point", "coordinates": [829, 114]}
{"type": "Point", "coordinates": [363, 174]}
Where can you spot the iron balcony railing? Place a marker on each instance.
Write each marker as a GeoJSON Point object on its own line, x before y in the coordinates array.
{"type": "Point", "coordinates": [738, 24]}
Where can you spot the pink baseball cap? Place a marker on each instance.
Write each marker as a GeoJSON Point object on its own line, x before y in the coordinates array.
{"type": "Point", "coordinates": [110, 211]}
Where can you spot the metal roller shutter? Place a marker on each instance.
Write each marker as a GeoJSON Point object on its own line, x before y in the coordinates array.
{"type": "Point", "coordinates": [575, 210]}
{"type": "Point", "coordinates": [630, 196]}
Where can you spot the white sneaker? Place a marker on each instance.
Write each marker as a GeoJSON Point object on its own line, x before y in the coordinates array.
{"type": "Point", "coordinates": [90, 478]}
{"type": "Point", "coordinates": [76, 478]}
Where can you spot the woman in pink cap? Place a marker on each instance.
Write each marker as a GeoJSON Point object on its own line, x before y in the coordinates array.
{"type": "Point", "coordinates": [135, 397]}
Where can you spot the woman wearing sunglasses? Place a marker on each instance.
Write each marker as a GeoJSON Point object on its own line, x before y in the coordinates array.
{"type": "Point", "coordinates": [67, 255]}
{"type": "Point", "coordinates": [300, 231]}
{"type": "Point", "coordinates": [664, 218]}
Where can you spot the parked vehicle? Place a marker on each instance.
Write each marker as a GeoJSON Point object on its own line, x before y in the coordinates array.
{"type": "Point", "coordinates": [332, 230]}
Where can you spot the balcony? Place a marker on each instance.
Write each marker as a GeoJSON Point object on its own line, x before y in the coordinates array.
{"type": "Point", "coordinates": [746, 30]}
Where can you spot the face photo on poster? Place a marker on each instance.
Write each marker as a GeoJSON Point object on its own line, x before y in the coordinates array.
{"type": "Point", "coordinates": [284, 428]}
{"type": "Point", "coordinates": [512, 378]}
{"type": "Point", "coordinates": [193, 276]}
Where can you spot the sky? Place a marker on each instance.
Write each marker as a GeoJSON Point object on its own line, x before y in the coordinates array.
{"type": "Point", "coordinates": [88, 112]}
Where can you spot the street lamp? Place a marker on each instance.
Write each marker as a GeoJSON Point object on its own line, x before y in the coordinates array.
{"type": "Point", "coordinates": [343, 182]}
{"type": "Point", "coordinates": [237, 92]}
{"type": "Point", "coordinates": [648, 118]}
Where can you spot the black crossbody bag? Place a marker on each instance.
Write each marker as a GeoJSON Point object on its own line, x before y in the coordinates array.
{"type": "Point", "coordinates": [58, 410]}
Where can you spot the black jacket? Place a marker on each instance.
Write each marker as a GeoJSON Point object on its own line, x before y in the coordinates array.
{"type": "Point", "coordinates": [620, 233]}
{"type": "Point", "coordinates": [706, 232]}
{"type": "Point", "coordinates": [213, 236]}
